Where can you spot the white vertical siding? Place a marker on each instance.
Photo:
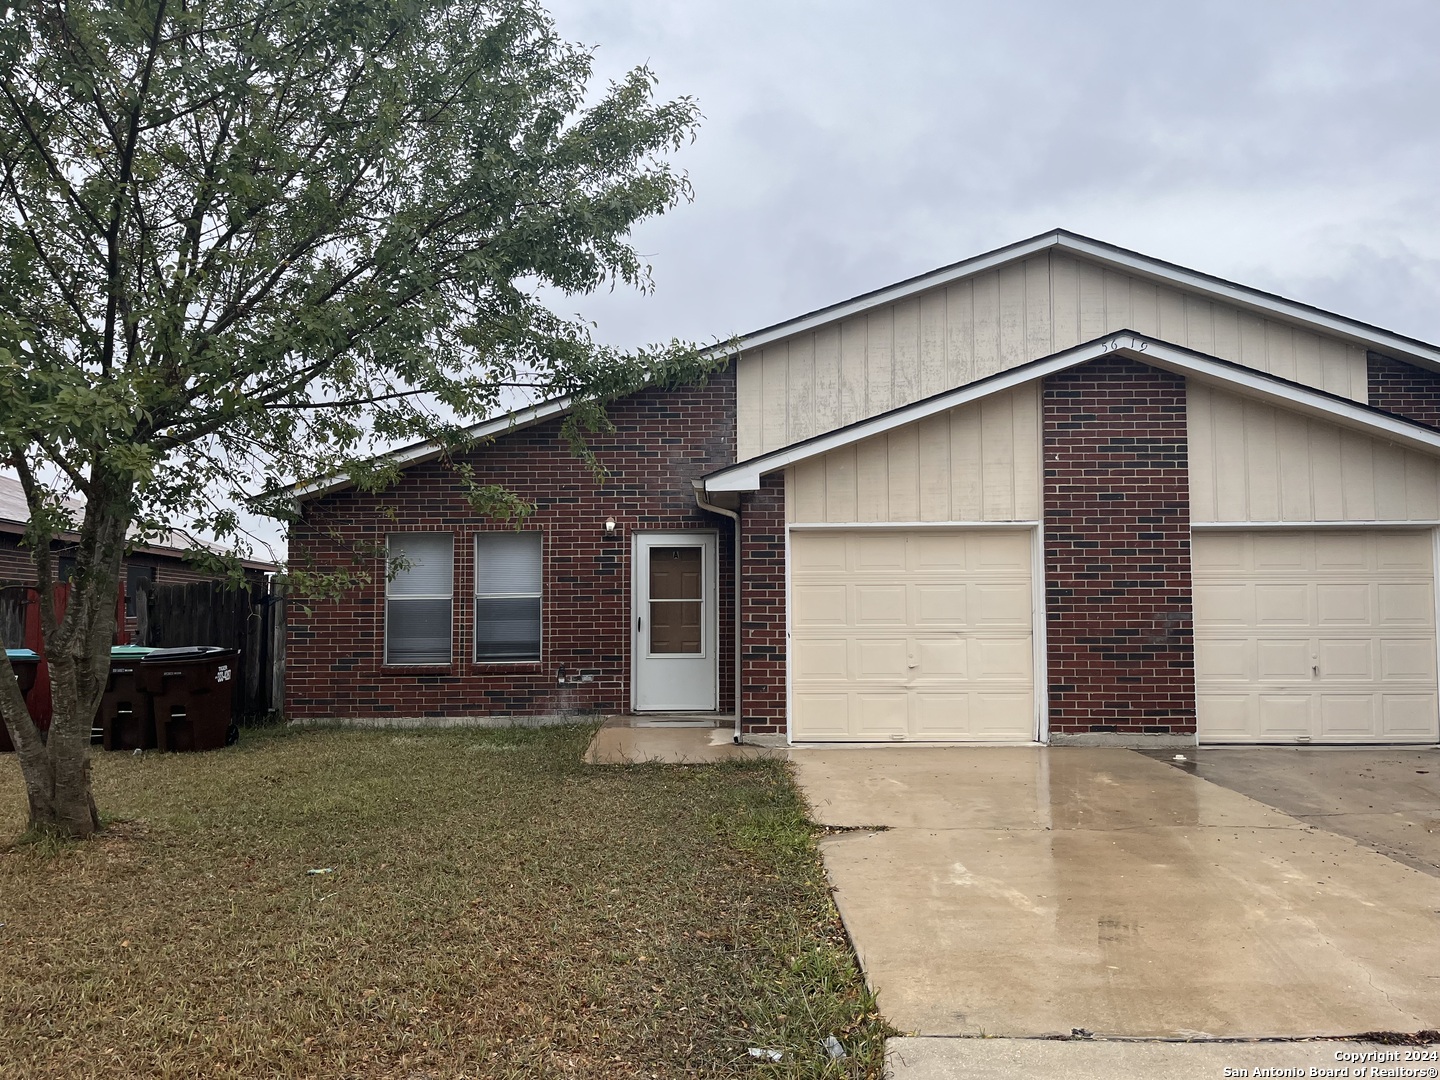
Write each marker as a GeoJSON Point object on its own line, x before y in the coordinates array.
{"type": "Point", "coordinates": [859, 367]}
{"type": "Point", "coordinates": [1253, 462]}
{"type": "Point", "coordinates": [978, 462]}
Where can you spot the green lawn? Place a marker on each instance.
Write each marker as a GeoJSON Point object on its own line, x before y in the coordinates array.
{"type": "Point", "coordinates": [496, 909]}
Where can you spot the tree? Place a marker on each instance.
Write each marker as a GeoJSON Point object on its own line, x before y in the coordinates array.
{"type": "Point", "coordinates": [246, 240]}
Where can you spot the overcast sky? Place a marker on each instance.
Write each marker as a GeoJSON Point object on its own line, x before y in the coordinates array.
{"type": "Point", "coordinates": [1291, 146]}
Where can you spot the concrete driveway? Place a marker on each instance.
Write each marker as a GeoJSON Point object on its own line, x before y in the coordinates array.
{"type": "Point", "coordinates": [1387, 798]}
{"type": "Point", "coordinates": [1031, 891]}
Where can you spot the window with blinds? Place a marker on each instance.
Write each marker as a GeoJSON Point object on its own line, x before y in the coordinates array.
{"type": "Point", "coordinates": [418, 591]}
{"type": "Point", "coordinates": [508, 578]}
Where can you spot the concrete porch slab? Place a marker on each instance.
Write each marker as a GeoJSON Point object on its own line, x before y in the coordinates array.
{"type": "Point", "coordinates": [630, 740]}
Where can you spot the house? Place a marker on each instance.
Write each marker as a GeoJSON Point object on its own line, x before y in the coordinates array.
{"type": "Point", "coordinates": [161, 561]}
{"type": "Point", "coordinates": [1059, 492]}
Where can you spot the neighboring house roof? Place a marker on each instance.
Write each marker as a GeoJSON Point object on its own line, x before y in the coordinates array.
{"type": "Point", "coordinates": [15, 515]}
{"type": "Point", "coordinates": [1118, 258]}
{"type": "Point", "coordinates": [746, 475]}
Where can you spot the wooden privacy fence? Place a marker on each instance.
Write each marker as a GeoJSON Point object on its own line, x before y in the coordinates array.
{"type": "Point", "coordinates": [212, 613]}
{"type": "Point", "coordinates": [250, 618]}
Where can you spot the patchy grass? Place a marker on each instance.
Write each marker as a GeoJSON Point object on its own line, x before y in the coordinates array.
{"type": "Point", "coordinates": [496, 909]}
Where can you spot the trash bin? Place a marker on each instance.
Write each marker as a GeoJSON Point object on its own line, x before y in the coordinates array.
{"type": "Point", "coordinates": [26, 663]}
{"type": "Point", "coordinates": [192, 692]}
{"type": "Point", "coordinates": [126, 720]}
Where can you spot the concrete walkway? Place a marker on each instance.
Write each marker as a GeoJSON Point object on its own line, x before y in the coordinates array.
{"type": "Point", "coordinates": [1023, 1059]}
{"type": "Point", "coordinates": [1030, 891]}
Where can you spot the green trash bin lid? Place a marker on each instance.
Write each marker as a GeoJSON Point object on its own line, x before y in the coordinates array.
{"type": "Point", "coordinates": [129, 652]}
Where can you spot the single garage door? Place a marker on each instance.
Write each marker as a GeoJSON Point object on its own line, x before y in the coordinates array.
{"type": "Point", "coordinates": [1315, 637]}
{"type": "Point", "coordinates": [919, 634]}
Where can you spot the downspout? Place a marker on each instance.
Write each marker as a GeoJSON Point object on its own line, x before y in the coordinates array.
{"type": "Point", "coordinates": [733, 515]}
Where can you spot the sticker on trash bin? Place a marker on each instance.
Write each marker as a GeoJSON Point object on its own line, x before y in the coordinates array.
{"type": "Point", "coordinates": [222, 673]}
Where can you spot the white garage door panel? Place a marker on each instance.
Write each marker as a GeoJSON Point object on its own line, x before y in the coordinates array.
{"type": "Point", "coordinates": [1315, 636]}
{"type": "Point", "coordinates": [911, 634]}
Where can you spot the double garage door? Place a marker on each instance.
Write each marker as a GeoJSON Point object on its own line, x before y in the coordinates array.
{"type": "Point", "coordinates": [1315, 637]}
{"type": "Point", "coordinates": [911, 634]}
{"type": "Point", "coordinates": [926, 635]}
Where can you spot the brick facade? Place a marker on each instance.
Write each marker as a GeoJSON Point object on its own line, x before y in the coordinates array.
{"type": "Point", "coordinates": [762, 602]}
{"type": "Point", "coordinates": [662, 439]}
{"type": "Point", "coordinates": [1404, 389]}
{"type": "Point", "coordinates": [1120, 640]}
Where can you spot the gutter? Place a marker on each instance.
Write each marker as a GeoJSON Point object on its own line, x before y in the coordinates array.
{"type": "Point", "coordinates": [733, 515]}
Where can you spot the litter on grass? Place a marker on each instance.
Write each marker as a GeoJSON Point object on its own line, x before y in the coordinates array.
{"type": "Point", "coordinates": [765, 1055]}
{"type": "Point", "coordinates": [833, 1047]}
{"type": "Point", "coordinates": [321, 870]}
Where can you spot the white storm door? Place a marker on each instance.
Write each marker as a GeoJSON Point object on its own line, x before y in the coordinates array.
{"type": "Point", "coordinates": [673, 624]}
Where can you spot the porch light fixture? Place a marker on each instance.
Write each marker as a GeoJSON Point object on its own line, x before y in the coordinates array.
{"type": "Point", "coordinates": [609, 526]}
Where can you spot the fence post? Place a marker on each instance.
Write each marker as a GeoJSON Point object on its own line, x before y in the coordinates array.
{"type": "Point", "coordinates": [144, 593]}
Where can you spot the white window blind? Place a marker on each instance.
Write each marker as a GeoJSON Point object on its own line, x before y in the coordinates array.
{"type": "Point", "coordinates": [418, 613]}
{"type": "Point", "coordinates": [508, 591]}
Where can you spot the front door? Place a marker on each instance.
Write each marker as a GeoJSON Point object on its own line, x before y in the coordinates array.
{"type": "Point", "coordinates": [673, 625]}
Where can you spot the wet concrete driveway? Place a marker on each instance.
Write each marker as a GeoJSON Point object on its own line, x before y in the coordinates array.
{"type": "Point", "coordinates": [1032, 891]}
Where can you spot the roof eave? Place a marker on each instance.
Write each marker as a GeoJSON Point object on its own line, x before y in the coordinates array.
{"type": "Point", "coordinates": [419, 453]}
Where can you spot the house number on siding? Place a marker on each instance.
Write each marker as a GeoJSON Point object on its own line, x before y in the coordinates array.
{"type": "Point", "coordinates": [1137, 346]}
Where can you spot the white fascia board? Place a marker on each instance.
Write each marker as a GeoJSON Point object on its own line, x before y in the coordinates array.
{"type": "Point", "coordinates": [1286, 395]}
{"type": "Point", "coordinates": [746, 475]}
{"type": "Point", "coordinates": [426, 451]}
{"type": "Point", "coordinates": [1361, 333]}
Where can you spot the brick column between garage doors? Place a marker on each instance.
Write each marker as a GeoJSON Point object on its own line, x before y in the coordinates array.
{"type": "Point", "coordinates": [1120, 635]}
{"type": "Point", "coordinates": [762, 609]}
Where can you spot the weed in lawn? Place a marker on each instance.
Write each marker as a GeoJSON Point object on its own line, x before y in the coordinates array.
{"type": "Point", "coordinates": [496, 909]}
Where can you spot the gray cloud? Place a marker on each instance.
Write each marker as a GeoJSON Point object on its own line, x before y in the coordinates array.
{"type": "Point", "coordinates": [1288, 145]}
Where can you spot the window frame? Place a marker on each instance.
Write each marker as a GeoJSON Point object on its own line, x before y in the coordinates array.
{"type": "Point", "coordinates": [477, 596]}
{"type": "Point", "coordinates": [449, 596]}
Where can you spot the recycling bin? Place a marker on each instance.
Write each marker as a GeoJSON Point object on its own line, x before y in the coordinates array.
{"type": "Point", "coordinates": [26, 663]}
{"type": "Point", "coordinates": [192, 695]}
{"type": "Point", "coordinates": [126, 720]}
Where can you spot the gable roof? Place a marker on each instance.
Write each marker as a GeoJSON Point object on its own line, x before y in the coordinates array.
{"type": "Point", "coordinates": [746, 475]}
{"type": "Point", "coordinates": [1364, 334]}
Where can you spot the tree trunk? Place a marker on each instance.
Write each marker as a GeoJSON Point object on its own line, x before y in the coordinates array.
{"type": "Point", "coordinates": [57, 767]}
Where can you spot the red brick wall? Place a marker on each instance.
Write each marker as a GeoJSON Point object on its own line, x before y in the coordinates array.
{"type": "Point", "coordinates": [662, 439]}
{"type": "Point", "coordinates": [1404, 390]}
{"type": "Point", "coordinates": [762, 603]}
{"type": "Point", "coordinates": [1120, 637]}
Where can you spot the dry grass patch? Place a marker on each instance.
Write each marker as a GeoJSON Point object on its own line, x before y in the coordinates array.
{"type": "Point", "coordinates": [495, 909]}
